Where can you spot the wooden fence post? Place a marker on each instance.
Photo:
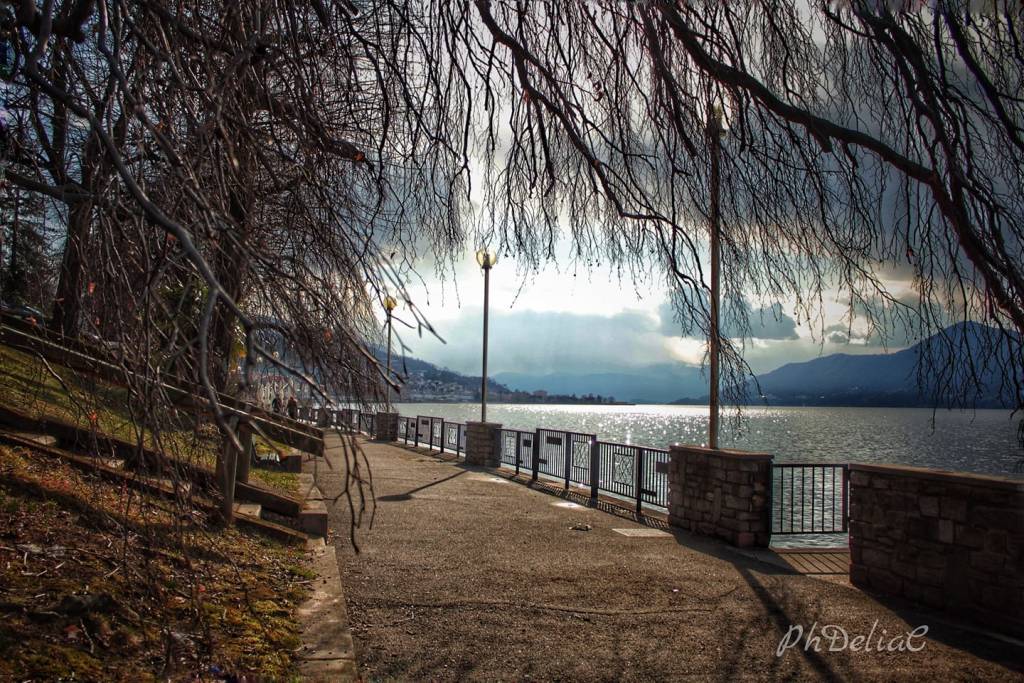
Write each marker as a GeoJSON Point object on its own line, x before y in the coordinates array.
{"type": "Point", "coordinates": [227, 466]}
{"type": "Point", "coordinates": [245, 458]}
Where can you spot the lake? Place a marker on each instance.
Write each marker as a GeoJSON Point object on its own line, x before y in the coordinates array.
{"type": "Point", "coordinates": [982, 441]}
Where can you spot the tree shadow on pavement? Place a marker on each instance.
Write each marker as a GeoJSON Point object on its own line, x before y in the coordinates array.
{"type": "Point", "coordinates": [396, 497]}
{"type": "Point", "coordinates": [942, 628]}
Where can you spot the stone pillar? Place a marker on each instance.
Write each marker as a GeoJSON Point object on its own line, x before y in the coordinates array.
{"type": "Point", "coordinates": [385, 426]}
{"type": "Point", "coordinates": [483, 444]}
{"type": "Point", "coordinates": [721, 493]}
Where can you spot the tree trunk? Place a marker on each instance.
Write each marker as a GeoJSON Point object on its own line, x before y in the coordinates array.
{"type": "Point", "coordinates": [67, 305]}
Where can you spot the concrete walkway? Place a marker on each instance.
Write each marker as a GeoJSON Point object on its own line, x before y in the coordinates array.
{"type": "Point", "coordinates": [465, 575]}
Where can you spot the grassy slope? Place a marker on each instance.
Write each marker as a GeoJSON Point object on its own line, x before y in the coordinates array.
{"type": "Point", "coordinates": [31, 386]}
{"type": "Point", "coordinates": [98, 583]}
{"type": "Point", "coordinates": [67, 538]}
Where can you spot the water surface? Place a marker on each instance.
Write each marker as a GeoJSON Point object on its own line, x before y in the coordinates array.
{"type": "Point", "coordinates": [982, 441]}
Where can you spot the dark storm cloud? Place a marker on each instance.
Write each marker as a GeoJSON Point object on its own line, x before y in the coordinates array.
{"type": "Point", "coordinates": [766, 322]}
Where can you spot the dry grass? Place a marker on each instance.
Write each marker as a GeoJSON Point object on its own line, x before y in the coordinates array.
{"type": "Point", "coordinates": [99, 584]}
{"type": "Point", "coordinates": [43, 390]}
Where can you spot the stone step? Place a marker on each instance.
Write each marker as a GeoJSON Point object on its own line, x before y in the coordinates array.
{"type": "Point", "coordinates": [292, 461]}
{"type": "Point", "coordinates": [166, 483]}
{"type": "Point", "coordinates": [271, 500]}
{"type": "Point", "coordinates": [250, 509]}
{"type": "Point", "coordinates": [273, 530]}
{"type": "Point", "coordinates": [313, 516]}
{"type": "Point", "coordinates": [41, 439]}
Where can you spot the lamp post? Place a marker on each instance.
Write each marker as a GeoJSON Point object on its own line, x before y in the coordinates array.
{"type": "Point", "coordinates": [486, 259]}
{"type": "Point", "coordinates": [389, 305]}
{"type": "Point", "coordinates": [715, 131]}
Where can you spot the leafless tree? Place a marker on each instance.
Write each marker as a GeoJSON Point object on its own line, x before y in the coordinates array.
{"type": "Point", "coordinates": [232, 176]}
{"type": "Point", "coordinates": [866, 140]}
{"type": "Point", "coordinates": [236, 176]}
{"type": "Point", "coordinates": [294, 140]}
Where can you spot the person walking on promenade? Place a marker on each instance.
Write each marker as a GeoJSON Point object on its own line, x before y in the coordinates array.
{"type": "Point", "coordinates": [293, 407]}
{"type": "Point", "coordinates": [275, 405]}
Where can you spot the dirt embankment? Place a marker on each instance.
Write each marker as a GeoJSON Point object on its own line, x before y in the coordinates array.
{"type": "Point", "coordinates": [100, 584]}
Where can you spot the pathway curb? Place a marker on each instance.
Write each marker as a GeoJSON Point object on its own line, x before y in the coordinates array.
{"type": "Point", "coordinates": [327, 652]}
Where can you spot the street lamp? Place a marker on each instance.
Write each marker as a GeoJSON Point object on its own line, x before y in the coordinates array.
{"type": "Point", "coordinates": [486, 259]}
{"type": "Point", "coordinates": [389, 305]}
{"type": "Point", "coordinates": [715, 132]}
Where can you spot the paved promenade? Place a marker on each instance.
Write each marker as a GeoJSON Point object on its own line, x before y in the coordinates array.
{"type": "Point", "coordinates": [465, 575]}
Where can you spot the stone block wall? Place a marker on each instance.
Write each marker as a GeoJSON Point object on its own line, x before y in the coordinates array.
{"type": "Point", "coordinates": [720, 493]}
{"type": "Point", "coordinates": [483, 444]}
{"type": "Point", "coordinates": [953, 541]}
{"type": "Point", "coordinates": [385, 426]}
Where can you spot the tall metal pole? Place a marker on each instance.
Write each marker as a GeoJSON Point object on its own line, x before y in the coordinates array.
{"type": "Point", "coordinates": [389, 362]}
{"type": "Point", "coordinates": [715, 135]}
{"type": "Point", "coordinates": [483, 379]}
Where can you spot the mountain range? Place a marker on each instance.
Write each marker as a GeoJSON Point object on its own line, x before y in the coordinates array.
{"type": "Point", "coordinates": [899, 379]}
{"type": "Point", "coordinates": [660, 383]}
{"type": "Point", "coordinates": [882, 379]}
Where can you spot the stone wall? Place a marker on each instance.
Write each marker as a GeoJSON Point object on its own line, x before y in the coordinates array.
{"type": "Point", "coordinates": [720, 493]}
{"type": "Point", "coordinates": [949, 540]}
{"type": "Point", "coordinates": [483, 444]}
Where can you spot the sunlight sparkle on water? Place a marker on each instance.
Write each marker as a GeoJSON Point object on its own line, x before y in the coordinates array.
{"type": "Point", "coordinates": [983, 441]}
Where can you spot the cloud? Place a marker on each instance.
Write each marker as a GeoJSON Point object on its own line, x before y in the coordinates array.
{"type": "Point", "coordinates": [546, 341]}
{"type": "Point", "coordinates": [766, 322]}
{"type": "Point", "coordinates": [882, 324]}
{"type": "Point", "coordinates": [837, 337]}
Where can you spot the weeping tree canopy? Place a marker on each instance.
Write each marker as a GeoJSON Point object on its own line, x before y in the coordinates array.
{"type": "Point", "coordinates": [225, 169]}
{"type": "Point", "coordinates": [228, 168]}
{"type": "Point", "coordinates": [228, 179]}
{"type": "Point", "coordinates": [864, 139]}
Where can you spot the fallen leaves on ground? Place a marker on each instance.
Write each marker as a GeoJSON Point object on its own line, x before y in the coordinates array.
{"type": "Point", "coordinates": [99, 583]}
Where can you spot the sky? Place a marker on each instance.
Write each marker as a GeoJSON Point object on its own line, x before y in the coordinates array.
{"type": "Point", "coordinates": [584, 321]}
{"type": "Point", "coordinates": [589, 321]}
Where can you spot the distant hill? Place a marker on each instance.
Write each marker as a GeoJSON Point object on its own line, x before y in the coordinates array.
{"type": "Point", "coordinates": [649, 384]}
{"type": "Point", "coordinates": [891, 379]}
{"type": "Point", "coordinates": [841, 379]}
{"type": "Point", "coordinates": [426, 379]}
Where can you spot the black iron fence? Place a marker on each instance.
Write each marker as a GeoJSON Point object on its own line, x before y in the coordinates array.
{"type": "Point", "coordinates": [454, 437]}
{"type": "Point", "coordinates": [345, 418]}
{"type": "Point", "coordinates": [517, 449]}
{"type": "Point", "coordinates": [433, 433]}
{"type": "Point", "coordinates": [623, 471]}
{"type": "Point", "coordinates": [809, 498]}
{"type": "Point", "coordinates": [805, 498]}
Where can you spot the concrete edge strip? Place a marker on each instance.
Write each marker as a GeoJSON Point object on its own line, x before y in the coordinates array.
{"type": "Point", "coordinates": [327, 652]}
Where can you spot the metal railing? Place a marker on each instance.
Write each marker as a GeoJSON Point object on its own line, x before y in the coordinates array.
{"type": "Point", "coordinates": [517, 449]}
{"type": "Point", "coordinates": [809, 498]}
{"type": "Point", "coordinates": [621, 470]}
{"type": "Point", "coordinates": [433, 433]}
{"type": "Point", "coordinates": [350, 418]}
{"type": "Point", "coordinates": [805, 498]}
{"type": "Point", "coordinates": [453, 437]}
